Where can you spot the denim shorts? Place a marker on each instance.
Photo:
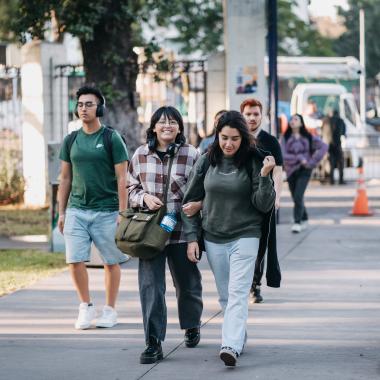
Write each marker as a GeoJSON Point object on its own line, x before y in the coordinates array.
{"type": "Point", "coordinates": [82, 227]}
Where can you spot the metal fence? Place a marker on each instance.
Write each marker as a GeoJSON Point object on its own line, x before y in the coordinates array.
{"type": "Point", "coordinates": [11, 180]}
{"type": "Point", "coordinates": [66, 80]}
{"type": "Point", "coordinates": [360, 149]}
{"type": "Point", "coordinates": [182, 86]}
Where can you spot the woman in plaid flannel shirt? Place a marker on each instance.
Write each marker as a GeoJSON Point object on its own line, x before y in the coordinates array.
{"type": "Point", "coordinates": [146, 182]}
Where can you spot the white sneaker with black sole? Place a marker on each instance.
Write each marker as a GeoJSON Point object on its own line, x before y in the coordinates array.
{"type": "Point", "coordinates": [229, 356]}
{"type": "Point", "coordinates": [108, 317]}
{"type": "Point", "coordinates": [85, 316]}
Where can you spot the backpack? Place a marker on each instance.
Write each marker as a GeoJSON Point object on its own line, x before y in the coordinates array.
{"type": "Point", "coordinates": [107, 140]}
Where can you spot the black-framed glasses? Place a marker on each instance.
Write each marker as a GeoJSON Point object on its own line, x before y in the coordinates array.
{"type": "Point", "coordinates": [86, 104]}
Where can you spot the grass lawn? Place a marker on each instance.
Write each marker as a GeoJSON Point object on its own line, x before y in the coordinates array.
{"type": "Point", "coordinates": [15, 222]}
{"type": "Point", "coordinates": [20, 268]}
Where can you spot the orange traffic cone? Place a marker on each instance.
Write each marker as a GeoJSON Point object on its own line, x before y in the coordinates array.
{"type": "Point", "coordinates": [360, 207]}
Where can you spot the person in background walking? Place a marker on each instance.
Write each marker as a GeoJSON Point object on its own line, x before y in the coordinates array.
{"type": "Point", "coordinates": [252, 110]}
{"type": "Point", "coordinates": [91, 191]}
{"type": "Point", "coordinates": [207, 141]}
{"type": "Point", "coordinates": [146, 182]}
{"type": "Point", "coordinates": [236, 190]}
{"type": "Point", "coordinates": [336, 156]}
{"type": "Point", "coordinates": [302, 152]}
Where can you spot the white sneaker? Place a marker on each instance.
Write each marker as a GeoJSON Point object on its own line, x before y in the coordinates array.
{"type": "Point", "coordinates": [85, 316]}
{"type": "Point", "coordinates": [108, 318]}
{"type": "Point", "coordinates": [296, 228]}
{"type": "Point", "coordinates": [229, 356]}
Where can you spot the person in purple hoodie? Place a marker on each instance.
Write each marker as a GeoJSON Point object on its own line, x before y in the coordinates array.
{"type": "Point", "coordinates": [301, 153]}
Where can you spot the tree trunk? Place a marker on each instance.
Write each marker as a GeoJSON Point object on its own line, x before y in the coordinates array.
{"type": "Point", "coordinates": [111, 65]}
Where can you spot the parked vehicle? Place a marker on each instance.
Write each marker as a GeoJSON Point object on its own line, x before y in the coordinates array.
{"type": "Point", "coordinates": [316, 101]}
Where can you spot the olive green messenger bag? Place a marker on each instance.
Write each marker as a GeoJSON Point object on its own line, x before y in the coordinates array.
{"type": "Point", "coordinates": [139, 233]}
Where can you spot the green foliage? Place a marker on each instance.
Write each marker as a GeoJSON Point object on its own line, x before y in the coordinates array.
{"type": "Point", "coordinates": [12, 182]}
{"type": "Point", "coordinates": [8, 10]}
{"type": "Point", "coordinates": [11, 187]}
{"type": "Point", "coordinates": [298, 38]}
{"type": "Point", "coordinates": [348, 43]}
{"type": "Point", "coordinates": [199, 24]}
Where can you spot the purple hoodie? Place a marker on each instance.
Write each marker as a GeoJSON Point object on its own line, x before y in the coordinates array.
{"type": "Point", "coordinates": [294, 150]}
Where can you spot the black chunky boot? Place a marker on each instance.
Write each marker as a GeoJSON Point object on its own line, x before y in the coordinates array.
{"type": "Point", "coordinates": [152, 352]}
{"type": "Point", "coordinates": [192, 337]}
{"type": "Point", "coordinates": [256, 294]}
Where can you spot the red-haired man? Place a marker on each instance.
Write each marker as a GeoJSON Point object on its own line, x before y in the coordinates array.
{"type": "Point", "coordinates": [252, 112]}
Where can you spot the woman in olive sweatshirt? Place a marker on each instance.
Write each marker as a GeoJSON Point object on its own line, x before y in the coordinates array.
{"type": "Point", "coordinates": [236, 191]}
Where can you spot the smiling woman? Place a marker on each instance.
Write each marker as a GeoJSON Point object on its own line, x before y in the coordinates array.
{"type": "Point", "coordinates": [165, 162]}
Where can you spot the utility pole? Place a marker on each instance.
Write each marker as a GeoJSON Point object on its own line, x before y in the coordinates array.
{"type": "Point", "coordinates": [272, 57]}
{"type": "Point", "coordinates": [362, 64]}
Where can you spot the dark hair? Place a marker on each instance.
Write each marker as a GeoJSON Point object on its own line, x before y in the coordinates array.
{"type": "Point", "coordinates": [216, 118]}
{"type": "Point", "coordinates": [303, 131]}
{"type": "Point", "coordinates": [219, 113]}
{"type": "Point", "coordinates": [170, 113]}
{"type": "Point", "coordinates": [232, 119]}
{"type": "Point", "coordinates": [91, 90]}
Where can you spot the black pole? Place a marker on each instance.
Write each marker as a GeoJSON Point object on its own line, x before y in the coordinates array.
{"type": "Point", "coordinates": [272, 57]}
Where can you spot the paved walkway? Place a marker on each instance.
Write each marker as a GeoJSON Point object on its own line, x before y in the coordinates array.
{"type": "Point", "coordinates": [39, 242]}
{"type": "Point", "coordinates": [323, 323]}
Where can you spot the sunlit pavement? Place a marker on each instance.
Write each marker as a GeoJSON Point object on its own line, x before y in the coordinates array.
{"type": "Point", "coordinates": [323, 323]}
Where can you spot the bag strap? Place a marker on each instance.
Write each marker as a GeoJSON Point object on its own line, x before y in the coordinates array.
{"type": "Point", "coordinates": [107, 140]}
{"type": "Point", "coordinates": [168, 180]}
{"type": "Point", "coordinates": [70, 141]}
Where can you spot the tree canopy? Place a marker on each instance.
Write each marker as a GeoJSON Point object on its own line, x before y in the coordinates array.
{"type": "Point", "coordinates": [348, 43]}
{"type": "Point", "coordinates": [108, 30]}
{"type": "Point", "coordinates": [296, 37]}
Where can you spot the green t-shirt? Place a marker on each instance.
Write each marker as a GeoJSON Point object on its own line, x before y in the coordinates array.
{"type": "Point", "coordinates": [94, 183]}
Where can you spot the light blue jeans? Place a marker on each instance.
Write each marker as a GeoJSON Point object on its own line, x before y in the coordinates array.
{"type": "Point", "coordinates": [232, 265]}
{"type": "Point", "coordinates": [82, 227]}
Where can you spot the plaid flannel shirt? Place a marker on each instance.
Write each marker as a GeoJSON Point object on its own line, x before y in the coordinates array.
{"type": "Point", "coordinates": [147, 174]}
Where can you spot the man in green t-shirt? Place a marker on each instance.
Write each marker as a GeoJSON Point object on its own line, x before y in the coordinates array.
{"type": "Point", "coordinates": [94, 163]}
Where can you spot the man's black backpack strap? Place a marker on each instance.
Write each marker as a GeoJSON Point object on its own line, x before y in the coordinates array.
{"type": "Point", "coordinates": [107, 140]}
{"type": "Point", "coordinates": [70, 141]}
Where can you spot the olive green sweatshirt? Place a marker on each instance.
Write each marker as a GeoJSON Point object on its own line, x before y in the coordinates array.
{"type": "Point", "coordinates": [233, 204]}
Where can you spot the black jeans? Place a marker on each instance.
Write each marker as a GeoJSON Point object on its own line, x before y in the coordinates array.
{"type": "Point", "coordinates": [336, 159]}
{"type": "Point", "coordinates": [297, 185]}
{"type": "Point", "coordinates": [187, 282]}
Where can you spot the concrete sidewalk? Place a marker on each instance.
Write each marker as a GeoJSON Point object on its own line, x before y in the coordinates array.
{"type": "Point", "coordinates": [323, 323]}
